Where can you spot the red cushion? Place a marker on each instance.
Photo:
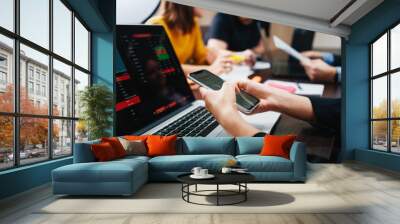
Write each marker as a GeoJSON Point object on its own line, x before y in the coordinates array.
{"type": "Point", "coordinates": [161, 145]}
{"type": "Point", "coordinates": [116, 145]}
{"type": "Point", "coordinates": [277, 145]}
{"type": "Point", "coordinates": [136, 137]}
{"type": "Point", "coordinates": [103, 152]}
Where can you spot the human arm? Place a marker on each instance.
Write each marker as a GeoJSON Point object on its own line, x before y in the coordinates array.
{"type": "Point", "coordinates": [222, 105]}
{"type": "Point", "coordinates": [319, 71]}
{"type": "Point", "coordinates": [260, 48]}
{"type": "Point", "coordinates": [221, 64]}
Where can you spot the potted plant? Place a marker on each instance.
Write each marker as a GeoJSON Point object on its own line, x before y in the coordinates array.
{"type": "Point", "coordinates": [96, 110]}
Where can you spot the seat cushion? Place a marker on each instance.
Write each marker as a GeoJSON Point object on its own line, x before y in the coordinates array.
{"type": "Point", "coordinates": [257, 163]}
{"type": "Point", "coordinates": [249, 145]}
{"type": "Point", "coordinates": [185, 163]}
{"type": "Point", "coordinates": [206, 145]}
{"type": "Point", "coordinates": [112, 171]}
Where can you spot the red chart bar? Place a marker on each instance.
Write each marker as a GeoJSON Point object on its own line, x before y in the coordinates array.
{"type": "Point", "coordinates": [123, 77]}
{"type": "Point", "coordinates": [168, 70]}
{"type": "Point", "coordinates": [141, 35]}
{"type": "Point", "coordinates": [127, 103]}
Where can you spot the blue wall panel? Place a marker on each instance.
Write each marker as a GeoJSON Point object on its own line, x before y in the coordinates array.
{"type": "Point", "coordinates": [24, 178]}
{"type": "Point", "coordinates": [356, 82]}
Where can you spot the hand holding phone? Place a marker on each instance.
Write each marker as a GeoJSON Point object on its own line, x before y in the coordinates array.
{"type": "Point", "coordinates": [245, 102]}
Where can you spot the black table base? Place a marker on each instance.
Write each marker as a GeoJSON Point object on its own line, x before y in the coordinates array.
{"type": "Point", "coordinates": [220, 193]}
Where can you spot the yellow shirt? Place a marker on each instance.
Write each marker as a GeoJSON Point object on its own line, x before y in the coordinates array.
{"type": "Point", "coordinates": [188, 47]}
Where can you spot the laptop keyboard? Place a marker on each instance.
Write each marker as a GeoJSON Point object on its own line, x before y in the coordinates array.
{"type": "Point", "coordinates": [198, 122]}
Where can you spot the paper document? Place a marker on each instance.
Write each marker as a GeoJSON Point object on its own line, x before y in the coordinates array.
{"type": "Point", "coordinates": [306, 89]}
{"type": "Point", "coordinates": [288, 49]}
{"type": "Point", "coordinates": [260, 65]}
{"type": "Point", "coordinates": [239, 72]}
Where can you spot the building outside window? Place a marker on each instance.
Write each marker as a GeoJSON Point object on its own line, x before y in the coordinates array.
{"type": "Point", "coordinates": [3, 78]}
{"type": "Point", "coordinates": [385, 94]}
{"type": "Point", "coordinates": [30, 72]}
{"type": "Point", "coordinates": [59, 127]}
{"type": "Point", "coordinates": [44, 91]}
{"type": "Point", "coordinates": [3, 72]}
{"type": "Point", "coordinates": [30, 87]}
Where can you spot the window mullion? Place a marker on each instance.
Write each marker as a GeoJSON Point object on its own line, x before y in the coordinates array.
{"type": "Point", "coordinates": [19, 43]}
{"type": "Point", "coordinates": [16, 83]}
{"type": "Point", "coordinates": [50, 81]}
{"type": "Point", "coordinates": [389, 101]}
{"type": "Point", "coordinates": [73, 83]}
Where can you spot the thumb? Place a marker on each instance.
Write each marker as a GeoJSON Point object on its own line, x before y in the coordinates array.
{"type": "Point", "coordinates": [203, 92]}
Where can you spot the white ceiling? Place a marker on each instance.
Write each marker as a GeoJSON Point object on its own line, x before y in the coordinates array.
{"type": "Point", "coordinates": [324, 16]}
{"type": "Point", "coordinates": [320, 8]}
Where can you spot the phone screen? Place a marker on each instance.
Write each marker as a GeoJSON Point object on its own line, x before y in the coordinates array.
{"type": "Point", "coordinates": [214, 82]}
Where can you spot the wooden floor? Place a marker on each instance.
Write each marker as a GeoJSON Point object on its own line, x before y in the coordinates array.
{"type": "Point", "coordinates": [377, 188]}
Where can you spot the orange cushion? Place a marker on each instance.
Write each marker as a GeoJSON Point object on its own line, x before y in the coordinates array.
{"type": "Point", "coordinates": [103, 152]}
{"type": "Point", "coordinates": [275, 145]}
{"type": "Point", "coordinates": [116, 145]}
{"type": "Point", "coordinates": [136, 137]}
{"type": "Point", "coordinates": [161, 145]}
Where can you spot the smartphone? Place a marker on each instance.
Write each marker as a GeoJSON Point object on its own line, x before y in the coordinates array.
{"type": "Point", "coordinates": [245, 102]}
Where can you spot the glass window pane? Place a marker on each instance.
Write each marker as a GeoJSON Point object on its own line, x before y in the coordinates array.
{"type": "Point", "coordinates": [81, 45]}
{"type": "Point", "coordinates": [6, 142]}
{"type": "Point", "coordinates": [7, 14]}
{"type": "Point", "coordinates": [62, 28]}
{"type": "Point", "coordinates": [395, 47]}
{"type": "Point", "coordinates": [34, 96]}
{"type": "Point", "coordinates": [395, 136]}
{"type": "Point", "coordinates": [62, 89]}
{"type": "Point", "coordinates": [35, 21]}
{"type": "Point", "coordinates": [81, 81]}
{"type": "Point", "coordinates": [81, 131]}
{"type": "Point", "coordinates": [395, 95]}
{"type": "Point", "coordinates": [379, 97]}
{"type": "Point", "coordinates": [33, 140]}
{"type": "Point", "coordinates": [6, 74]}
{"type": "Point", "coordinates": [62, 138]}
{"type": "Point", "coordinates": [379, 56]}
{"type": "Point", "coordinates": [379, 135]}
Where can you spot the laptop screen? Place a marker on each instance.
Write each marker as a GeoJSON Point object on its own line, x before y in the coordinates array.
{"type": "Point", "coordinates": [150, 83]}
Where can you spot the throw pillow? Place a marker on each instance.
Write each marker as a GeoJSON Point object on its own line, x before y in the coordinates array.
{"type": "Point", "coordinates": [135, 147]}
{"type": "Point", "coordinates": [103, 152]}
{"type": "Point", "coordinates": [136, 137]}
{"type": "Point", "coordinates": [116, 145]}
{"type": "Point", "coordinates": [161, 145]}
{"type": "Point", "coordinates": [277, 145]}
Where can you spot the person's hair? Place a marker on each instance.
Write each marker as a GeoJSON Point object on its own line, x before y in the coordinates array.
{"type": "Point", "coordinates": [179, 17]}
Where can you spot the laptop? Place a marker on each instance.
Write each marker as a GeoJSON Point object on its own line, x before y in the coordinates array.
{"type": "Point", "coordinates": [152, 92]}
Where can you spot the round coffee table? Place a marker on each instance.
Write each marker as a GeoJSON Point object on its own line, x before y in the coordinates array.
{"type": "Point", "coordinates": [238, 179]}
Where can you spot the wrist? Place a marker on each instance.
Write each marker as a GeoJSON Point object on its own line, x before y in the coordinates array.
{"type": "Point", "coordinates": [235, 125]}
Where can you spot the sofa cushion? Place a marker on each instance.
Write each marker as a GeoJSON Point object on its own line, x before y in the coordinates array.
{"type": "Point", "coordinates": [83, 152]}
{"type": "Point", "coordinates": [185, 163]}
{"type": "Point", "coordinates": [206, 145]}
{"type": "Point", "coordinates": [113, 171]}
{"type": "Point", "coordinates": [161, 145]}
{"type": "Point", "coordinates": [103, 152]}
{"type": "Point", "coordinates": [257, 163]}
{"type": "Point", "coordinates": [249, 145]}
{"type": "Point", "coordinates": [134, 147]}
{"type": "Point", "coordinates": [133, 158]}
{"type": "Point", "coordinates": [116, 145]}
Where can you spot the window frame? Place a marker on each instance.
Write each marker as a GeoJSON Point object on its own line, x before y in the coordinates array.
{"type": "Point", "coordinates": [388, 74]}
{"type": "Point", "coordinates": [16, 114]}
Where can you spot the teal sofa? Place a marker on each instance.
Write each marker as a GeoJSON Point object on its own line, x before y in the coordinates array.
{"type": "Point", "coordinates": [125, 176]}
